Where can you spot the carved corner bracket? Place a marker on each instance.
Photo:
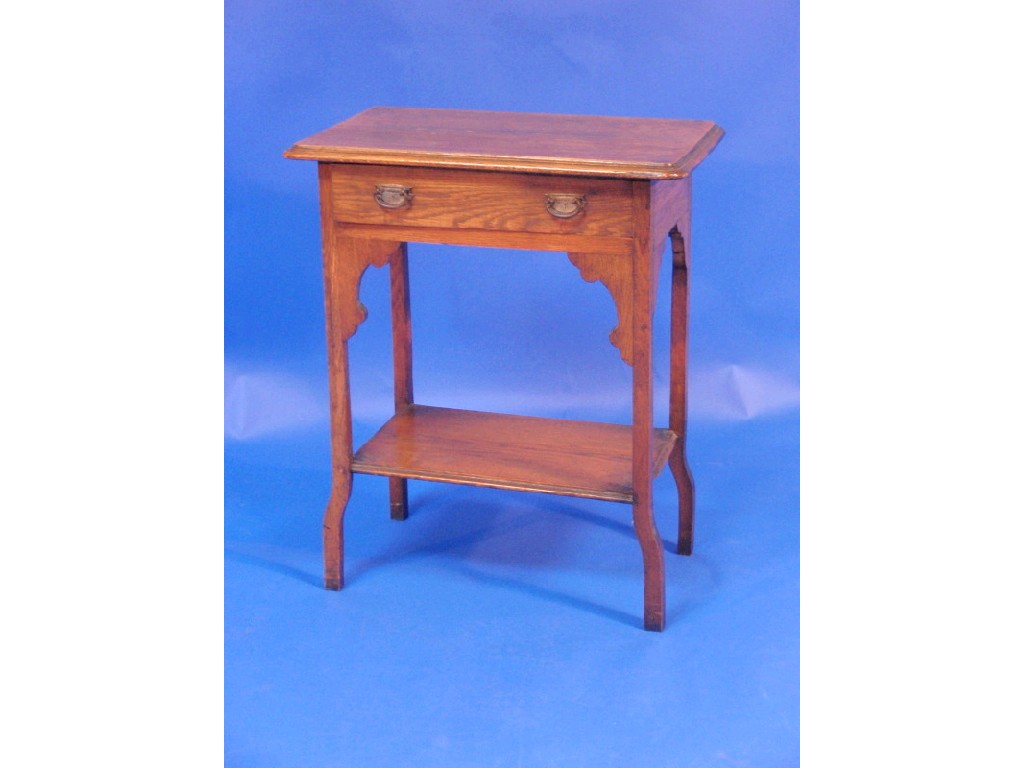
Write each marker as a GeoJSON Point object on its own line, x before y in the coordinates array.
{"type": "Point", "coordinates": [615, 271]}
{"type": "Point", "coordinates": [348, 259]}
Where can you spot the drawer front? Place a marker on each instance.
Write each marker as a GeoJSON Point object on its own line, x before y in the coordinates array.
{"type": "Point", "coordinates": [482, 200]}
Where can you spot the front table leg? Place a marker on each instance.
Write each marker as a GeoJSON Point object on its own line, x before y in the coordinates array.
{"type": "Point", "coordinates": [341, 460]}
{"type": "Point", "coordinates": [643, 439]}
{"type": "Point", "coordinates": [345, 261]}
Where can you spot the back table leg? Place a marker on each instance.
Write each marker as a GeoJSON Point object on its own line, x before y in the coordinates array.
{"type": "Point", "coordinates": [401, 333]}
{"type": "Point", "coordinates": [677, 383]}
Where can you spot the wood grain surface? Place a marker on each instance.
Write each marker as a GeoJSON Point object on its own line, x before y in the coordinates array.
{"type": "Point", "coordinates": [489, 238]}
{"type": "Point", "coordinates": [581, 145]}
{"type": "Point", "coordinates": [480, 200]}
{"type": "Point", "coordinates": [668, 200]}
{"type": "Point", "coordinates": [645, 259]}
{"type": "Point", "coordinates": [615, 272]}
{"type": "Point", "coordinates": [569, 458]}
{"type": "Point", "coordinates": [401, 336]}
{"type": "Point", "coordinates": [678, 464]}
{"type": "Point", "coordinates": [343, 316]}
{"type": "Point", "coordinates": [481, 178]}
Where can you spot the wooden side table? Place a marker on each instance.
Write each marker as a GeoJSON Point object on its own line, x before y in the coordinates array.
{"type": "Point", "coordinates": [605, 190]}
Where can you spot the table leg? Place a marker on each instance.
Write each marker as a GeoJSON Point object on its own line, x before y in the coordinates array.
{"type": "Point", "coordinates": [401, 334]}
{"type": "Point", "coordinates": [677, 383]}
{"type": "Point", "coordinates": [643, 439]}
{"type": "Point", "coordinates": [345, 261]}
{"type": "Point", "coordinates": [340, 398]}
{"type": "Point", "coordinates": [341, 459]}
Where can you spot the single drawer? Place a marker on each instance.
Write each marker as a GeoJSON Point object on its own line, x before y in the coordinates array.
{"type": "Point", "coordinates": [482, 200]}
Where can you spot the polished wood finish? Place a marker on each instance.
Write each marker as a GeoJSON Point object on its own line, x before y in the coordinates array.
{"type": "Point", "coordinates": [670, 201]}
{"type": "Point", "coordinates": [680, 240]}
{"type": "Point", "coordinates": [644, 288]}
{"type": "Point", "coordinates": [615, 271]}
{"type": "Point", "coordinates": [339, 311]}
{"type": "Point", "coordinates": [532, 241]}
{"type": "Point", "coordinates": [570, 458]}
{"type": "Point", "coordinates": [401, 334]}
{"type": "Point", "coordinates": [481, 200]}
{"type": "Point", "coordinates": [608, 192]}
{"type": "Point", "coordinates": [358, 255]}
{"type": "Point", "coordinates": [568, 145]}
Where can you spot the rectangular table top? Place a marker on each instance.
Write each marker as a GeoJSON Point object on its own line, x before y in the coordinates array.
{"type": "Point", "coordinates": [579, 145]}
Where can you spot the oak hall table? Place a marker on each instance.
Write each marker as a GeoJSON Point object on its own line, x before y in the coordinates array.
{"type": "Point", "coordinates": [607, 191]}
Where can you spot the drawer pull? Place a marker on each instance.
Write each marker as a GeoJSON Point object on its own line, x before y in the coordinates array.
{"type": "Point", "coordinates": [393, 195]}
{"type": "Point", "coordinates": [565, 206]}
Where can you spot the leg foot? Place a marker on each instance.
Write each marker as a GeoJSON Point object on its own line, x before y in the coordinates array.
{"type": "Point", "coordinates": [399, 493]}
{"type": "Point", "coordinates": [684, 484]}
{"type": "Point", "coordinates": [654, 567]}
{"type": "Point", "coordinates": [654, 623]}
{"type": "Point", "coordinates": [334, 534]}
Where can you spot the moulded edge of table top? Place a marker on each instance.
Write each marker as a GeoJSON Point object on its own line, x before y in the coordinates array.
{"type": "Point", "coordinates": [525, 453]}
{"type": "Point", "coordinates": [321, 148]}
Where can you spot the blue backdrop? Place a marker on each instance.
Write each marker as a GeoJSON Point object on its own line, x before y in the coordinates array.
{"type": "Point", "coordinates": [498, 628]}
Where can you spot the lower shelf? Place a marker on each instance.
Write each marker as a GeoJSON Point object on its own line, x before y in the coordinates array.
{"type": "Point", "coordinates": [569, 458]}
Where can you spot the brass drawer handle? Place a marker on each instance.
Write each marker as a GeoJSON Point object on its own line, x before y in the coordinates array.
{"type": "Point", "coordinates": [565, 206]}
{"type": "Point", "coordinates": [393, 195]}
